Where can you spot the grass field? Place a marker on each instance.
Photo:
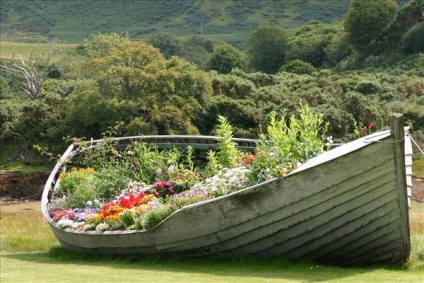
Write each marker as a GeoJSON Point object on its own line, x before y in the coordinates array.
{"type": "Point", "coordinates": [68, 52]}
{"type": "Point", "coordinates": [31, 253]}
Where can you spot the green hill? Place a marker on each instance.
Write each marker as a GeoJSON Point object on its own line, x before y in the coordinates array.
{"type": "Point", "coordinates": [228, 20]}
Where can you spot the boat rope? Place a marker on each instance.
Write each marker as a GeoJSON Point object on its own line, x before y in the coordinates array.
{"type": "Point", "coordinates": [416, 144]}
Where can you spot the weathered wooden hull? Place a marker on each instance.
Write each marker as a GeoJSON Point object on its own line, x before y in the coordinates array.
{"type": "Point", "coordinates": [344, 207]}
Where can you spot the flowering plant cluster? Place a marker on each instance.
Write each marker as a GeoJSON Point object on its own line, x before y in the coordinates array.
{"type": "Point", "coordinates": [142, 185]}
{"type": "Point", "coordinates": [363, 130]}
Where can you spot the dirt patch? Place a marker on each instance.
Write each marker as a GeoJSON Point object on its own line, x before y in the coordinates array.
{"type": "Point", "coordinates": [26, 186]}
{"type": "Point", "coordinates": [418, 190]}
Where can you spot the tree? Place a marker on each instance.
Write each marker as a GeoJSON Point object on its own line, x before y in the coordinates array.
{"type": "Point", "coordinates": [160, 95]}
{"type": "Point", "coordinates": [168, 44]}
{"type": "Point", "coordinates": [413, 40]}
{"type": "Point", "coordinates": [34, 78]}
{"type": "Point", "coordinates": [266, 48]}
{"type": "Point", "coordinates": [102, 43]}
{"type": "Point", "coordinates": [308, 42]}
{"type": "Point", "coordinates": [225, 58]}
{"type": "Point", "coordinates": [366, 20]}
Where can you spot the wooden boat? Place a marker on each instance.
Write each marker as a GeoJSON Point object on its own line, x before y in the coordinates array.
{"type": "Point", "coordinates": [346, 206]}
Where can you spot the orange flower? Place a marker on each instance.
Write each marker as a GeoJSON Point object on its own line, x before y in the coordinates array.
{"type": "Point", "coordinates": [62, 175]}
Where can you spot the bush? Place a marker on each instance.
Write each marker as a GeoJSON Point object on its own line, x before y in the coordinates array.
{"type": "Point", "coordinates": [298, 67]}
{"type": "Point", "coordinates": [368, 87]}
{"type": "Point", "coordinates": [413, 40]}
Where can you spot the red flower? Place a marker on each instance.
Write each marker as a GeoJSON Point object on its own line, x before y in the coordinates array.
{"type": "Point", "coordinates": [370, 125]}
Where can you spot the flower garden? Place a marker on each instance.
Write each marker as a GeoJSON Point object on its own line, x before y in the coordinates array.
{"type": "Point", "coordinates": [137, 187]}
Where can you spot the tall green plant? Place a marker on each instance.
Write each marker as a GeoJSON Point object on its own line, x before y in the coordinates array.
{"type": "Point", "coordinates": [288, 143]}
{"type": "Point", "coordinates": [228, 154]}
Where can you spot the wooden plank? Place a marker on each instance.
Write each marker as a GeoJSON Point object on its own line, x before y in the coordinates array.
{"type": "Point", "coordinates": [368, 249]}
{"type": "Point", "coordinates": [342, 243]}
{"type": "Point", "coordinates": [316, 226]}
{"type": "Point", "coordinates": [359, 230]}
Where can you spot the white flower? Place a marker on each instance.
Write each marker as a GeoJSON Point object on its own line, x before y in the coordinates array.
{"type": "Point", "coordinates": [65, 223]}
{"type": "Point", "coordinates": [171, 169]}
{"type": "Point", "coordinates": [89, 203]}
{"type": "Point", "coordinates": [78, 225]}
{"type": "Point", "coordinates": [88, 227]}
{"type": "Point", "coordinates": [102, 227]}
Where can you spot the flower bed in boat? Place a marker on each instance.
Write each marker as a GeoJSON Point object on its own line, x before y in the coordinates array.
{"type": "Point", "coordinates": [136, 187]}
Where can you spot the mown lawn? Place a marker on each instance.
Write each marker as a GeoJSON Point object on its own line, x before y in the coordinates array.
{"type": "Point", "coordinates": [31, 253]}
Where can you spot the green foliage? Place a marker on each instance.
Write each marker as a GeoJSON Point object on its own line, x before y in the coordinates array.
{"type": "Point", "coordinates": [78, 186]}
{"type": "Point", "coordinates": [413, 40]}
{"type": "Point", "coordinates": [113, 177]}
{"type": "Point", "coordinates": [213, 165]}
{"type": "Point", "coordinates": [288, 143]}
{"type": "Point", "coordinates": [147, 160]}
{"type": "Point", "coordinates": [153, 217]}
{"type": "Point", "coordinates": [169, 94]}
{"type": "Point", "coordinates": [309, 41]}
{"type": "Point", "coordinates": [169, 44]}
{"type": "Point", "coordinates": [99, 154]}
{"type": "Point", "coordinates": [84, 192]}
{"type": "Point", "coordinates": [266, 48]}
{"type": "Point", "coordinates": [101, 44]}
{"type": "Point", "coordinates": [338, 49]}
{"type": "Point", "coordinates": [366, 20]}
{"type": "Point", "coordinates": [298, 67]}
{"type": "Point", "coordinates": [228, 154]}
{"type": "Point", "coordinates": [225, 58]}
{"type": "Point", "coordinates": [127, 218]}
{"type": "Point", "coordinates": [368, 87]}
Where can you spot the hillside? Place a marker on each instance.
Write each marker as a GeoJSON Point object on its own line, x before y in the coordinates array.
{"type": "Point", "coordinates": [228, 20]}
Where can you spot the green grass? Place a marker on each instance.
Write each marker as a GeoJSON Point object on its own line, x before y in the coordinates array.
{"type": "Point", "coordinates": [26, 166]}
{"type": "Point", "coordinates": [67, 54]}
{"type": "Point", "coordinates": [30, 253]}
{"type": "Point", "coordinates": [418, 167]}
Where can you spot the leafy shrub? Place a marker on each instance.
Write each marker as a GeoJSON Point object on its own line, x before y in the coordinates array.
{"type": "Point", "coordinates": [112, 178]}
{"type": "Point", "coordinates": [298, 67]}
{"type": "Point", "coordinates": [153, 217]}
{"type": "Point", "coordinates": [288, 143]}
{"type": "Point", "coordinates": [368, 87]}
{"type": "Point", "coordinates": [413, 40]}
{"type": "Point", "coordinates": [69, 181]}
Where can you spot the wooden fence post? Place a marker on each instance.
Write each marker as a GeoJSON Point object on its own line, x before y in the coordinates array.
{"type": "Point", "coordinates": [398, 133]}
